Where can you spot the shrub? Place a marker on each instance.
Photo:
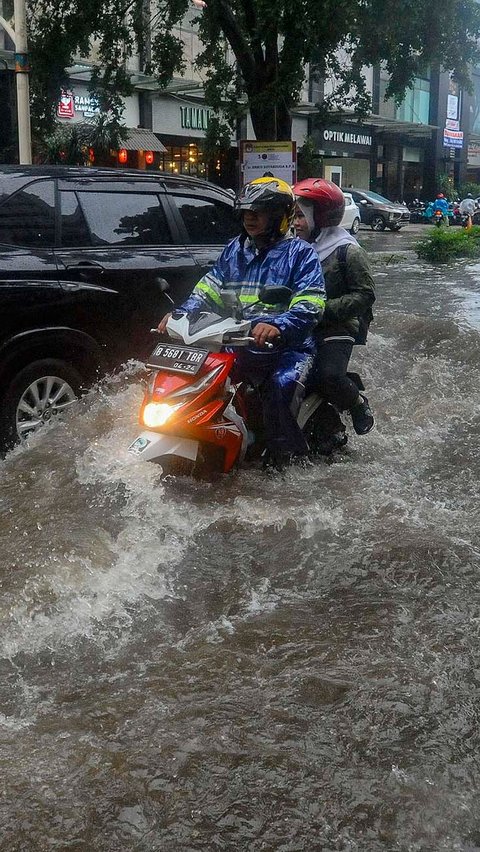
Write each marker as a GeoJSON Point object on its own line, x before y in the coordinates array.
{"type": "Point", "coordinates": [443, 244]}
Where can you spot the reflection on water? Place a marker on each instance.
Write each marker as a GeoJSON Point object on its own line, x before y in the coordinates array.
{"type": "Point", "coordinates": [256, 664]}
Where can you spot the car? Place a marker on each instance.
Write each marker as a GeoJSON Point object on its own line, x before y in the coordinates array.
{"type": "Point", "coordinates": [379, 212]}
{"type": "Point", "coordinates": [351, 217]}
{"type": "Point", "coordinates": [86, 255]}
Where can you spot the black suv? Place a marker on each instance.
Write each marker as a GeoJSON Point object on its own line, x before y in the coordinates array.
{"type": "Point", "coordinates": [84, 257]}
{"type": "Point", "coordinates": [379, 212]}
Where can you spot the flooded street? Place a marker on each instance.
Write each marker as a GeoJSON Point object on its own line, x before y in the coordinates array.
{"type": "Point", "coordinates": [260, 663]}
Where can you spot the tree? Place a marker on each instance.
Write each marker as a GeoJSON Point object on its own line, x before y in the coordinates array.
{"type": "Point", "coordinates": [272, 42]}
{"type": "Point", "coordinates": [255, 51]}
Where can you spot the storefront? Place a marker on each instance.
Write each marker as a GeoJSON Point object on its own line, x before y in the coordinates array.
{"type": "Point", "coordinates": [181, 126]}
{"type": "Point", "coordinates": [347, 152]}
{"type": "Point", "coordinates": [140, 147]}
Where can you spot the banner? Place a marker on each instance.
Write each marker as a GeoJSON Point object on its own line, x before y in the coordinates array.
{"type": "Point", "coordinates": [452, 138]}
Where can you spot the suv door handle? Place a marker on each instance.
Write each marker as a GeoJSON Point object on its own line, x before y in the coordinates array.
{"type": "Point", "coordinates": [86, 269]}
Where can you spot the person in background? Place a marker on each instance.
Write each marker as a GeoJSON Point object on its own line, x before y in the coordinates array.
{"type": "Point", "coordinates": [350, 294]}
{"type": "Point", "coordinates": [441, 204]}
{"type": "Point", "coordinates": [467, 208]}
{"type": "Point", "coordinates": [266, 253]}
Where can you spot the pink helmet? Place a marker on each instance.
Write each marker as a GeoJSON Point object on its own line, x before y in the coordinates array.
{"type": "Point", "coordinates": [327, 198]}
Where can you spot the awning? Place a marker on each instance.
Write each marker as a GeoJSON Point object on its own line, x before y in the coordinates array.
{"type": "Point", "coordinates": [141, 139]}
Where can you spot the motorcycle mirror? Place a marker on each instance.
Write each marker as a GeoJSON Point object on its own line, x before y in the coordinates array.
{"type": "Point", "coordinates": [164, 287]}
{"type": "Point", "coordinates": [232, 303]}
{"type": "Point", "coordinates": [273, 294]}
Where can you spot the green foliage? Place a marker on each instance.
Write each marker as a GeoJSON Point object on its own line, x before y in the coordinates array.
{"type": "Point", "coordinates": [445, 185]}
{"type": "Point", "coordinates": [473, 188]}
{"type": "Point", "coordinates": [270, 45]}
{"type": "Point", "coordinates": [70, 143]}
{"type": "Point", "coordinates": [309, 163]}
{"type": "Point", "coordinates": [273, 42]}
{"type": "Point", "coordinates": [443, 244]}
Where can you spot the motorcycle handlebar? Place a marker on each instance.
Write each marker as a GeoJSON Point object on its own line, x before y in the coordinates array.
{"type": "Point", "coordinates": [233, 342]}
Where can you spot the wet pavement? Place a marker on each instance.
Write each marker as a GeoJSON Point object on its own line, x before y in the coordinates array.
{"type": "Point", "coordinates": [261, 663]}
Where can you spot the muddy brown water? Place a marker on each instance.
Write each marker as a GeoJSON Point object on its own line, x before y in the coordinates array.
{"type": "Point", "coordinates": [257, 664]}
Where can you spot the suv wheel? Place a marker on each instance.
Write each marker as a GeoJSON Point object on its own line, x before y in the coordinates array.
{"type": "Point", "coordinates": [36, 395]}
{"type": "Point", "coordinates": [355, 225]}
{"type": "Point", "coordinates": [378, 223]}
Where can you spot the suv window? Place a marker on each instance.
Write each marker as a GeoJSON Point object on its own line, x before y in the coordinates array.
{"type": "Point", "coordinates": [28, 217]}
{"type": "Point", "coordinates": [74, 227]}
{"type": "Point", "coordinates": [125, 218]}
{"type": "Point", "coordinates": [207, 220]}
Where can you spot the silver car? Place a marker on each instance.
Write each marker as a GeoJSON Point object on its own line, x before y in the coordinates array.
{"type": "Point", "coordinates": [351, 217]}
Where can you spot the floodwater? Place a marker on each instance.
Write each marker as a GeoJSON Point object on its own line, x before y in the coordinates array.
{"type": "Point", "coordinates": [286, 664]}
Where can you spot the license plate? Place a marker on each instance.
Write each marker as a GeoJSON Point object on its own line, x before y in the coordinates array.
{"type": "Point", "coordinates": [177, 359]}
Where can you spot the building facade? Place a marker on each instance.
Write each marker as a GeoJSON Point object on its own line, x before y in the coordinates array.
{"type": "Point", "coordinates": [401, 152]}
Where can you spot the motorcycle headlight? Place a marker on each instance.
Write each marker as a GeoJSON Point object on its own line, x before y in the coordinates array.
{"type": "Point", "coordinates": [157, 413]}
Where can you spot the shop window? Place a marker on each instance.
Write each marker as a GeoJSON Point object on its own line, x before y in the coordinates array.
{"type": "Point", "coordinates": [74, 227]}
{"type": "Point", "coordinates": [207, 221]}
{"type": "Point", "coordinates": [28, 217]}
{"type": "Point", "coordinates": [185, 160]}
{"type": "Point", "coordinates": [125, 218]}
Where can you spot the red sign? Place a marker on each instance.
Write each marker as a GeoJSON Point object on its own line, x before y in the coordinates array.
{"type": "Point", "coordinates": [66, 106]}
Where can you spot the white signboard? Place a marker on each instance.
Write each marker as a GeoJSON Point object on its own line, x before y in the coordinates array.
{"type": "Point", "coordinates": [267, 159]}
{"type": "Point", "coordinates": [452, 106]}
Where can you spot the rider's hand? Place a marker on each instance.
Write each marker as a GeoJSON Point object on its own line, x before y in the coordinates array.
{"type": "Point", "coordinates": [162, 325]}
{"type": "Point", "coordinates": [263, 332]}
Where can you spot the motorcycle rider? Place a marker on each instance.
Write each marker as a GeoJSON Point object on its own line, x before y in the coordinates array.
{"type": "Point", "coordinates": [441, 204]}
{"type": "Point", "coordinates": [467, 207]}
{"type": "Point", "coordinates": [266, 253]}
{"type": "Point", "coordinates": [350, 295]}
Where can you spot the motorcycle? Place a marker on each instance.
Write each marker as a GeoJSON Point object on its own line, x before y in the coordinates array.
{"type": "Point", "coordinates": [417, 211]}
{"type": "Point", "coordinates": [438, 218]}
{"type": "Point", "coordinates": [195, 418]}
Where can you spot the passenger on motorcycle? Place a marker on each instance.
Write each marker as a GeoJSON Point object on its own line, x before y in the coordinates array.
{"type": "Point", "coordinates": [350, 295]}
{"type": "Point", "coordinates": [265, 253]}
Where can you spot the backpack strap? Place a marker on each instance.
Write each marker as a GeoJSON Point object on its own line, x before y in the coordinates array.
{"type": "Point", "coordinates": [342, 261]}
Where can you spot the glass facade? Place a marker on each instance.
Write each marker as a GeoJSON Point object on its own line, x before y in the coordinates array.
{"type": "Point", "coordinates": [476, 101]}
{"type": "Point", "coordinates": [184, 160]}
{"type": "Point", "coordinates": [416, 105]}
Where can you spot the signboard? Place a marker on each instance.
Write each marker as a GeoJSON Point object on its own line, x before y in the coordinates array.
{"type": "Point", "coordinates": [268, 159]}
{"type": "Point", "coordinates": [452, 138]}
{"type": "Point", "coordinates": [194, 117]}
{"type": "Point", "coordinates": [343, 140]}
{"type": "Point", "coordinates": [452, 124]}
{"type": "Point", "coordinates": [66, 107]}
{"type": "Point", "coordinates": [452, 106]}
{"type": "Point", "coordinates": [70, 104]}
{"type": "Point", "coordinates": [347, 137]}
{"type": "Point", "coordinates": [474, 154]}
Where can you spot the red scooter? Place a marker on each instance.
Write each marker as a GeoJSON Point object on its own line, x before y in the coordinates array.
{"type": "Point", "coordinates": [195, 419]}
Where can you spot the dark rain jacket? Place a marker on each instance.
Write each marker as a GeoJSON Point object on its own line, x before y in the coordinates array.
{"type": "Point", "coordinates": [350, 293]}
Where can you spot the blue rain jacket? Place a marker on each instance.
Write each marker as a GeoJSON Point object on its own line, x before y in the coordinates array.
{"type": "Point", "coordinates": [290, 263]}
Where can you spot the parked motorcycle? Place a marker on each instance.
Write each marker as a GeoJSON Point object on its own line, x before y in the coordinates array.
{"type": "Point", "coordinates": [417, 212]}
{"type": "Point", "coordinates": [195, 419]}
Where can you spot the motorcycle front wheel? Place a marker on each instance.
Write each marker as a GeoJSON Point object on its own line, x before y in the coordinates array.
{"type": "Point", "coordinates": [175, 465]}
